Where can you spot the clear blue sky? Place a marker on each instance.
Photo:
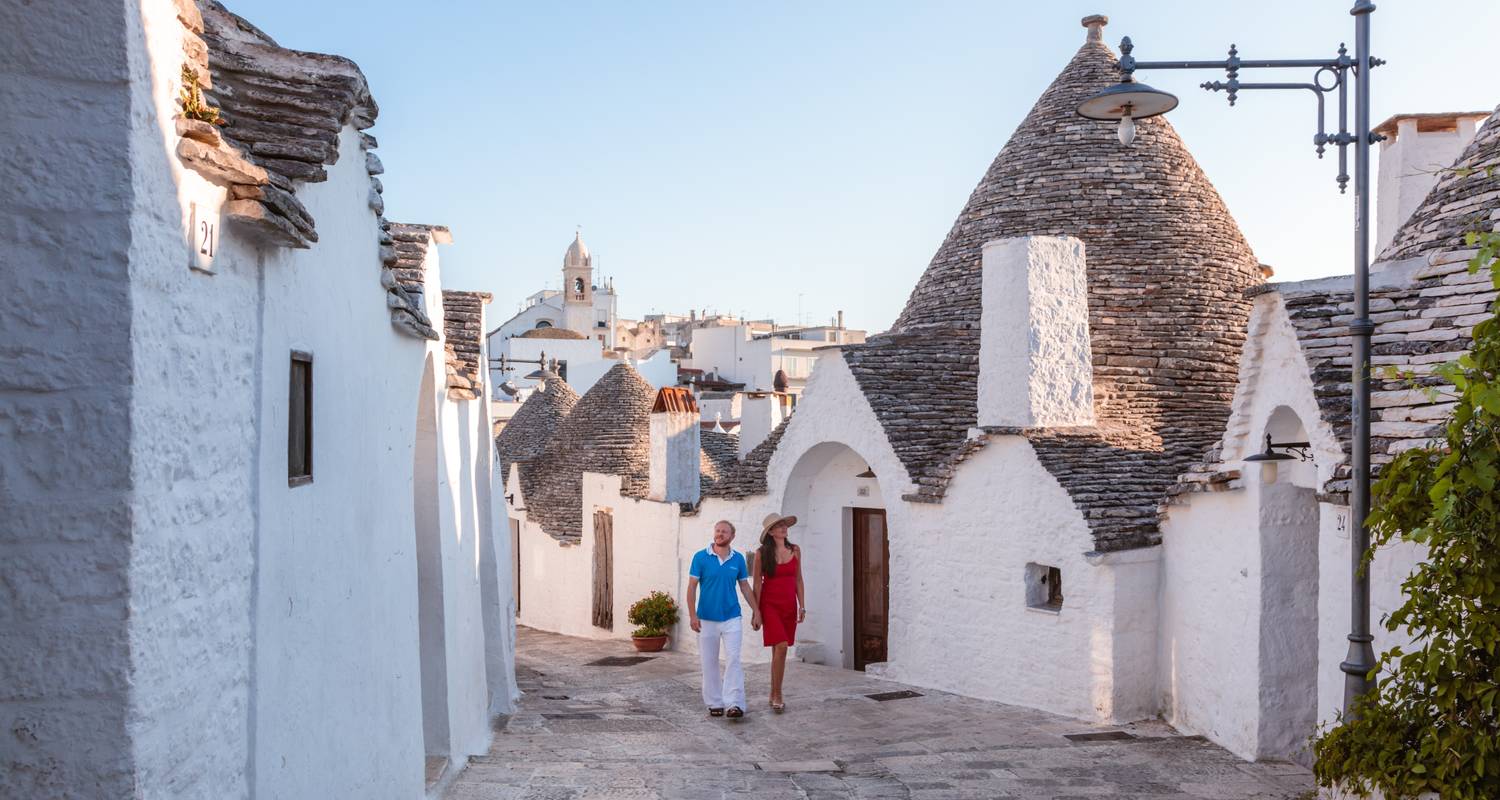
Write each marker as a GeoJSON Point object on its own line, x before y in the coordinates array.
{"type": "Point", "coordinates": [748, 156]}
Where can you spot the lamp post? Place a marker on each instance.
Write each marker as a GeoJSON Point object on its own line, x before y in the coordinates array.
{"type": "Point", "coordinates": [1129, 101]}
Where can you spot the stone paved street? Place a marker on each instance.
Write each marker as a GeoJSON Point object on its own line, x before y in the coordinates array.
{"type": "Point", "coordinates": [640, 732]}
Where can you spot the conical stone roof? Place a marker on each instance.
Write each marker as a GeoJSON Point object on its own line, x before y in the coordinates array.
{"type": "Point", "coordinates": [1167, 267]}
{"type": "Point", "coordinates": [527, 433]}
{"type": "Point", "coordinates": [609, 432]}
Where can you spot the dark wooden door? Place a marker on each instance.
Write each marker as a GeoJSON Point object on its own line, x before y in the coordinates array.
{"type": "Point", "coordinates": [604, 568]}
{"type": "Point", "coordinates": [872, 582]}
{"type": "Point", "coordinates": [515, 548]}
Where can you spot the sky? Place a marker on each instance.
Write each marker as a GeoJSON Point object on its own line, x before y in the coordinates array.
{"type": "Point", "coordinates": [790, 159]}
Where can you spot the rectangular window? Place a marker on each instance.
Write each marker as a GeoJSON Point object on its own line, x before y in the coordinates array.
{"type": "Point", "coordinates": [299, 445]}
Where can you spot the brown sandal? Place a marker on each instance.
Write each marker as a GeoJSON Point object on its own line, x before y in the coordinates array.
{"type": "Point", "coordinates": [716, 712]}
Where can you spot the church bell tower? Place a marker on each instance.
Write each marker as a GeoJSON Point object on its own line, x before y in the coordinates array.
{"type": "Point", "coordinates": [578, 288]}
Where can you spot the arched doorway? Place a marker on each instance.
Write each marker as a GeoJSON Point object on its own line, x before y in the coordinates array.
{"type": "Point", "coordinates": [429, 549]}
{"type": "Point", "coordinates": [842, 530]}
{"type": "Point", "coordinates": [1288, 652]}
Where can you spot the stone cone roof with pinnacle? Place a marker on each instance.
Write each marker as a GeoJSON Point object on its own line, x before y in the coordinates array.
{"type": "Point", "coordinates": [1167, 268]}
{"type": "Point", "coordinates": [527, 433]}
{"type": "Point", "coordinates": [609, 432]}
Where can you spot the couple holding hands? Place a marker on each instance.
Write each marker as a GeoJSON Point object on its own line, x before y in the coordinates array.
{"type": "Point", "coordinates": [776, 598]}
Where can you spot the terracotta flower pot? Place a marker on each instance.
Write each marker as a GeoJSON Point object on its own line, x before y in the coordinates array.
{"type": "Point", "coordinates": [649, 644]}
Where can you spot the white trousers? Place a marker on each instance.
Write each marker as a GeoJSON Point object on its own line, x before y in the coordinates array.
{"type": "Point", "coordinates": [727, 688]}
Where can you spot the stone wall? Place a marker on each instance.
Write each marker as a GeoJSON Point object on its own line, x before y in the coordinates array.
{"type": "Point", "coordinates": [65, 399]}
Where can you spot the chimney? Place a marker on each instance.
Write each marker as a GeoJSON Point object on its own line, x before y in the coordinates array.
{"type": "Point", "coordinates": [1416, 148]}
{"type": "Point", "coordinates": [760, 413]}
{"type": "Point", "coordinates": [675, 461]}
{"type": "Point", "coordinates": [1035, 368]}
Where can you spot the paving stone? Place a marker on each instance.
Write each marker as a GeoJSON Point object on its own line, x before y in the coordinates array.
{"type": "Point", "coordinates": [651, 740]}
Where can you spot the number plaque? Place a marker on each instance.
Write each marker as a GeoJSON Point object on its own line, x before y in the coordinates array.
{"type": "Point", "coordinates": [203, 238]}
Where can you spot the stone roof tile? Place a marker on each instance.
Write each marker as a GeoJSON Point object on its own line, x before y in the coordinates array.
{"type": "Point", "coordinates": [1463, 199]}
{"type": "Point", "coordinates": [608, 432]}
{"type": "Point", "coordinates": [527, 433]}
{"type": "Point", "coordinates": [463, 342]}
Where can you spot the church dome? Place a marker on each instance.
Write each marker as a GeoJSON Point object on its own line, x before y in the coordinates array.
{"type": "Point", "coordinates": [578, 253]}
{"type": "Point", "coordinates": [552, 333]}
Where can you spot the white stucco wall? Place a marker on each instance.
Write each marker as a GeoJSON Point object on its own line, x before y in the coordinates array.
{"type": "Point", "coordinates": [193, 445]}
{"type": "Point", "coordinates": [336, 623]}
{"type": "Point", "coordinates": [557, 579]}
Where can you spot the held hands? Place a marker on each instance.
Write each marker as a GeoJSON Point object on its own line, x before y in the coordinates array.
{"type": "Point", "coordinates": [695, 624]}
{"type": "Point", "coordinates": [755, 621]}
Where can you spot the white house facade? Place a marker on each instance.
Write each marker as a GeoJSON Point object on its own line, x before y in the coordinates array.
{"type": "Point", "coordinates": [212, 605]}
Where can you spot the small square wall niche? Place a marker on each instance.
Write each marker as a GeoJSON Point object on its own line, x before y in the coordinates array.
{"type": "Point", "coordinates": [1043, 587]}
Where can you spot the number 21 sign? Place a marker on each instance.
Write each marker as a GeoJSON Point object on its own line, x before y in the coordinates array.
{"type": "Point", "coordinates": [203, 239]}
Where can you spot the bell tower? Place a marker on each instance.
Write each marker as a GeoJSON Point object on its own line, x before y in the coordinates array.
{"type": "Point", "coordinates": [578, 288]}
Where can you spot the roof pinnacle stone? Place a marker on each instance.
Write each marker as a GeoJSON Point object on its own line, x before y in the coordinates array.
{"type": "Point", "coordinates": [1095, 23]}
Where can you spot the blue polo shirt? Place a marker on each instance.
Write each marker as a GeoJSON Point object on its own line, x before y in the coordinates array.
{"type": "Point", "coordinates": [717, 581]}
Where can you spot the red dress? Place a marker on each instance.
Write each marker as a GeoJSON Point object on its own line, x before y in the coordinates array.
{"type": "Point", "coordinates": [778, 604]}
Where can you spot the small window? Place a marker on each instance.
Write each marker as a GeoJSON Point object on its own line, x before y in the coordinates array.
{"type": "Point", "coordinates": [299, 450]}
{"type": "Point", "coordinates": [1044, 587]}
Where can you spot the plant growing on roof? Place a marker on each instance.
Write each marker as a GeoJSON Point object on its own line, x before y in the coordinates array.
{"type": "Point", "coordinates": [192, 102]}
{"type": "Point", "coordinates": [1432, 722]}
{"type": "Point", "coordinates": [655, 613]}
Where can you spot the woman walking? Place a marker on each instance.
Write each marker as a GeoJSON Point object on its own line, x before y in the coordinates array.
{"type": "Point", "coordinates": [780, 602]}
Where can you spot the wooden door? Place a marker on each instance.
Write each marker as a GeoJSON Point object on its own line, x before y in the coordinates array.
{"type": "Point", "coordinates": [515, 549]}
{"type": "Point", "coordinates": [604, 568]}
{"type": "Point", "coordinates": [872, 581]}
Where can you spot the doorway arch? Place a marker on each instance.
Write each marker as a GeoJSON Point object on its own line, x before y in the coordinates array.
{"type": "Point", "coordinates": [841, 529]}
{"type": "Point", "coordinates": [1288, 637]}
{"type": "Point", "coordinates": [429, 550]}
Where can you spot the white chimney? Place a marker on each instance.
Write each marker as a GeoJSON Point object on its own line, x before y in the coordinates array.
{"type": "Point", "coordinates": [1035, 367]}
{"type": "Point", "coordinates": [675, 468]}
{"type": "Point", "coordinates": [1416, 148]}
{"type": "Point", "coordinates": [760, 413]}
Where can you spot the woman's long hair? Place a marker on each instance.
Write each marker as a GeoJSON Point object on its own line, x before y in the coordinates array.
{"type": "Point", "coordinates": [768, 553]}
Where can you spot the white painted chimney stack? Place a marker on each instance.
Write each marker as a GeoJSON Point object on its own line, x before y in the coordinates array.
{"type": "Point", "coordinates": [675, 467]}
{"type": "Point", "coordinates": [1035, 362]}
{"type": "Point", "coordinates": [1416, 149]}
{"type": "Point", "coordinates": [760, 413]}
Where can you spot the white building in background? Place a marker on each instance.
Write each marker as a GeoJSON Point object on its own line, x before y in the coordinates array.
{"type": "Point", "coordinates": [248, 538]}
{"type": "Point", "coordinates": [1042, 465]}
{"type": "Point", "coordinates": [739, 354]}
{"type": "Point", "coordinates": [1417, 147]}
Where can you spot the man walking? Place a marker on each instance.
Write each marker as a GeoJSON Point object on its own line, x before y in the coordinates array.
{"type": "Point", "coordinates": [715, 616]}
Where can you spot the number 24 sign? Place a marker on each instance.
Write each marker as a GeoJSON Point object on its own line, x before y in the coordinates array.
{"type": "Point", "coordinates": [203, 239]}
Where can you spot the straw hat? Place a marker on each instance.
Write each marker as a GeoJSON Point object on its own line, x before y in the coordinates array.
{"type": "Point", "coordinates": [772, 520]}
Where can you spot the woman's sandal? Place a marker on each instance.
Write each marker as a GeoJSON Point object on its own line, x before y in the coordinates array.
{"type": "Point", "coordinates": [778, 707]}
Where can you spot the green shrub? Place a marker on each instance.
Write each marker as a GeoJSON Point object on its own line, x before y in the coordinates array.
{"type": "Point", "coordinates": [655, 613]}
{"type": "Point", "coordinates": [1431, 724]}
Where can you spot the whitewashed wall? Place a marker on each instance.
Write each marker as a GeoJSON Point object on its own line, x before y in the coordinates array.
{"type": "Point", "coordinates": [336, 623]}
{"type": "Point", "coordinates": [65, 483]}
{"type": "Point", "coordinates": [193, 446]}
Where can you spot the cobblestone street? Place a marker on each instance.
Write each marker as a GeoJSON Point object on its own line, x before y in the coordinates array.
{"type": "Point", "coordinates": [639, 731]}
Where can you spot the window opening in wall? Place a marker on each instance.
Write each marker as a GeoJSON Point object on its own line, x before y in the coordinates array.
{"type": "Point", "coordinates": [299, 449]}
{"type": "Point", "coordinates": [1044, 587]}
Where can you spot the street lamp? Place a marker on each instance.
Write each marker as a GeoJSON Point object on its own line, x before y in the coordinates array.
{"type": "Point", "coordinates": [1129, 101]}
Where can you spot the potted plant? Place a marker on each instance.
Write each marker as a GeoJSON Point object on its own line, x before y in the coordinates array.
{"type": "Point", "coordinates": [655, 614]}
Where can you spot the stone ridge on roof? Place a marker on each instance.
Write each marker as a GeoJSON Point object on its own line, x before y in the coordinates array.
{"type": "Point", "coordinates": [526, 435]}
{"type": "Point", "coordinates": [719, 457]}
{"type": "Point", "coordinates": [1167, 268]}
{"type": "Point", "coordinates": [747, 478]}
{"type": "Point", "coordinates": [609, 432]}
{"type": "Point", "coordinates": [283, 111]}
{"type": "Point", "coordinates": [1463, 198]}
{"type": "Point", "coordinates": [404, 256]}
{"type": "Point", "coordinates": [463, 342]}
